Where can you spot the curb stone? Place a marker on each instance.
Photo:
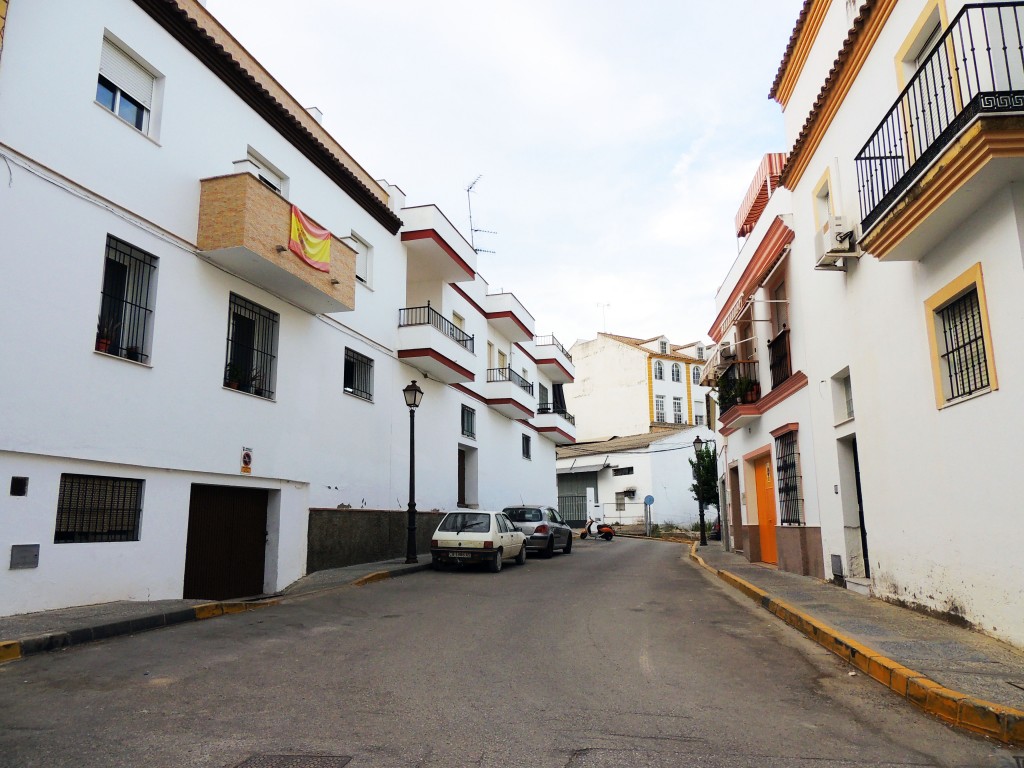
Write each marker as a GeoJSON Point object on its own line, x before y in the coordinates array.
{"type": "Point", "coordinates": [952, 707]}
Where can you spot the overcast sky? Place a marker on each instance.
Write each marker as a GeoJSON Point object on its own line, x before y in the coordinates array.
{"type": "Point", "coordinates": [615, 143]}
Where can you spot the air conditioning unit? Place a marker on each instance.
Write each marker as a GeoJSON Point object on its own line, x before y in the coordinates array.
{"type": "Point", "coordinates": [835, 243]}
{"type": "Point", "coordinates": [728, 352]}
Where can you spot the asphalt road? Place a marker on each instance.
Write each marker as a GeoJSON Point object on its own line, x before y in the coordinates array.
{"type": "Point", "coordinates": [620, 654]}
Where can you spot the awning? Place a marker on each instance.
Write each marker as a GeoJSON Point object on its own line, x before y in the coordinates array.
{"type": "Point", "coordinates": [582, 465]}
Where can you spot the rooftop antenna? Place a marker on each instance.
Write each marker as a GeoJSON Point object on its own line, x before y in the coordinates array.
{"type": "Point", "coordinates": [604, 317]}
{"type": "Point", "coordinates": [472, 230]}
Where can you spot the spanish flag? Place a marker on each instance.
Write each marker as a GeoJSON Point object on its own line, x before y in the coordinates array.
{"type": "Point", "coordinates": [309, 242]}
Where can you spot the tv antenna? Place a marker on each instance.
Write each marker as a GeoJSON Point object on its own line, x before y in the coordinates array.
{"type": "Point", "coordinates": [472, 229]}
{"type": "Point", "coordinates": [604, 316]}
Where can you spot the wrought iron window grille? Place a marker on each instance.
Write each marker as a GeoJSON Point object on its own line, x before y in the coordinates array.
{"type": "Point", "coordinates": [250, 363]}
{"type": "Point", "coordinates": [93, 508]}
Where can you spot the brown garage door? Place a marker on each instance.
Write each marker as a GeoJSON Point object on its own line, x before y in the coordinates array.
{"type": "Point", "coordinates": [227, 534]}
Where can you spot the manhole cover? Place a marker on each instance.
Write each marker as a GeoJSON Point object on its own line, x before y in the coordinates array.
{"type": "Point", "coordinates": [295, 761]}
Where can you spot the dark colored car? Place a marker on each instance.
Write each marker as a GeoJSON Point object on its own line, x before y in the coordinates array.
{"type": "Point", "coordinates": [545, 530]}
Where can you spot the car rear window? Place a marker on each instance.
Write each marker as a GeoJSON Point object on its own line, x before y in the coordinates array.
{"type": "Point", "coordinates": [523, 515]}
{"type": "Point", "coordinates": [458, 522]}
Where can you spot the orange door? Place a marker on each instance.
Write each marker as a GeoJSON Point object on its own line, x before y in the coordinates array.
{"type": "Point", "coordinates": [764, 483]}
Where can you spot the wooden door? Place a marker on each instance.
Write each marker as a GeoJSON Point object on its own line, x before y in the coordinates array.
{"type": "Point", "coordinates": [226, 545]}
{"type": "Point", "coordinates": [764, 483]}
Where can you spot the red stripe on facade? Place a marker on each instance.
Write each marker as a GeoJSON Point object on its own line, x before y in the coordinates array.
{"type": "Point", "coordinates": [435, 355]}
{"type": "Point", "coordinates": [430, 234]}
{"type": "Point", "coordinates": [509, 401]}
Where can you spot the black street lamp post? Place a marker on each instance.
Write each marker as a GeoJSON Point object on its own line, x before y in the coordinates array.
{"type": "Point", "coordinates": [413, 396]}
{"type": "Point", "coordinates": [697, 444]}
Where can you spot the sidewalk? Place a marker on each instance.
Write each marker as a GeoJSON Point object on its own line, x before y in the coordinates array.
{"type": "Point", "coordinates": [33, 633]}
{"type": "Point", "coordinates": [963, 677]}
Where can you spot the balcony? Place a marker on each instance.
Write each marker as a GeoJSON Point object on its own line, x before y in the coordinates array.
{"type": "Point", "coordinates": [437, 253]}
{"type": "Point", "coordinates": [554, 360]}
{"type": "Point", "coordinates": [244, 228]}
{"type": "Point", "coordinates": [508, 316]}
{"type": "Point", "coordinates": [739, 389]}
{"type": "Point", "coordinates": [434, 345]}
{"type": "Point", "coordinates": [556, 424]}
{"type": "Point", "coordinates": [509, 393]}
{"type": "Point", "coordinates": [950, 140]}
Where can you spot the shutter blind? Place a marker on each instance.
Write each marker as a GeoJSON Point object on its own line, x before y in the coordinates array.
{"type": "Point", "coordinates": [127, 74]}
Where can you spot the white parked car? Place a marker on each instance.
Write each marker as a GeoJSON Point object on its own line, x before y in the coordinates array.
{"type": "Point", "coordinates": [474, 536]}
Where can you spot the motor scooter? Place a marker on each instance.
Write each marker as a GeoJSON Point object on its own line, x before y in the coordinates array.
{"type": "Point", "coordinates": [597, 528]}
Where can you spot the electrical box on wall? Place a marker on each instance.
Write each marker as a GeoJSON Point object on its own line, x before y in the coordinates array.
{"type": "Point", "coordinates": [24, 556]}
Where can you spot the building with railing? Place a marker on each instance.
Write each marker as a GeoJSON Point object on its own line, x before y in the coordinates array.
{"type": "Point", "coordinates": [232, 309]}
{"type": "Point", "coordinates": [903, 266]}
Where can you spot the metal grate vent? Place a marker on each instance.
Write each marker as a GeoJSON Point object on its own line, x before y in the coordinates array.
{"type": "Point", "coordinates": [837, 565]}
{"type": "Point", "coordinates": [295, 761]}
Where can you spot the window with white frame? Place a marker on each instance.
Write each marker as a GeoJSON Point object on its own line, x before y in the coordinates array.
{"type": "Point", "coordinates": [787, 479]}
{"type": "Point", "coordinates": [125, 86]}
{"type": "Point", "coordinates": [700, 351]}
{"type": "Point", "coordinates": [696, 374]}
{"type": "Point", "coordinates": [358, 375]}
{"type": "Point", "coordinates": [677, 372]}
{"type": "Point", "coordinates": [250, 363]}
{"type": "Point", "coordinates": [364, 259]}
{"type": "Point", "coordinates": [620, 501]}
{"type": "Point", "coordinates": [267, 173]}
{"type": "Point", "coordinates": [698, 414]}
{"type": "Point", "coordinates": [659, 408]}
{"type": "Point", "coordinates": [124, 326]}
{"type": "Point", "coordinates": [659, 370]}
{"type": "Point", "coordinates": [468, 421]}
{"type": "Point", "coordinates": [663, 346]}
{"type": "Point", "coordinates": [677, 410]}
{"type": "Point", "coordinates": [93, 508]}
{"type": "Point", "coordinates": [527, 447]}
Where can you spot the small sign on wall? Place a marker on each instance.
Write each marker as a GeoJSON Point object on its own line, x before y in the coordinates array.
{"type": "Point", "coordinates": [246, 462]}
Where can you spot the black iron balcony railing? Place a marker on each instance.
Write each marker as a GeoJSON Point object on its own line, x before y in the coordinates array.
{"type": "Point", "coordinates": [507, 374]}
{"type": "Point", "coordinates": [976, 67]}
{"type": "Point", "coordinates": [542, 340]}
{"type": "Point", "coordinates": [738, 385]}
{"type": "Point", "coordinates": [778, 356]}
{"type": "Point", "coordinates": [549, 408]}
{"type": "Point", "coordinates": [429, 316]}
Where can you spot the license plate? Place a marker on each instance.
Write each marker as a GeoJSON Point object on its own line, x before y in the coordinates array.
{"type": "Point", "coordinates": [459, 554]}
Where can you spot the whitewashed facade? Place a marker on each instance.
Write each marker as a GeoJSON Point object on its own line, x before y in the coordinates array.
{"type": "Point", "coordinates": [903, 279]}
{"type": "Point", "coordinates": [149, 164]}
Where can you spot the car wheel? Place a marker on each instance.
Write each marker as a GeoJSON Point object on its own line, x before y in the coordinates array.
{"type": "Point", "coordinates": [549, 550]}
{"type": "Point", "coordinates": [567, 549]}
{"type": "Point", "coordinates": [521, 557]}
{"type": "Point", "coordinates": [496, 562]}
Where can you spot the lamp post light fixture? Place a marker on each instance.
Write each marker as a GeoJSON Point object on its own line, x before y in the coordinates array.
{"type": "Point", "coordinates": [697, 445]}
{"type": "Point", "coordinates": [413, 396]}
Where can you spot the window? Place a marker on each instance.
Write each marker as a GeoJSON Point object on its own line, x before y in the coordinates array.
{"type": "Point", "coordinates": [960, 339]}
{"type": "Point", "coordinates": [490, 354]}
{"type": "Point", "coordinates": [696, 374]}
{"type": "Point", "coordinates": [364, 259]}
{"type": "Point", "coordinates": [700, 351]}
{"type": "Point", "coordinates": [265, 172]}
{"type": "Point", "coordinates": [787, 478]}
{"type": "Point", "coordinates": [526, 447]}
{"type": "Point", "coordinates": [468, 421]}
{"type": "Point", "coordinates": [659, 408]}
{"type": "Point", "coordinates": [698, 413]}
{"type": "Point", "coordinates": [659, 370]}
{"type": "Point", "coordinates": [619, 471]}
{"type": "Point", "coordinates": [95, 509]}
{"type": "Point", "coordinates": [677, 410]}
{"type": "Point", "coordinates": [677, 374]}
{"type": "Point", "coordinates": [125, 87]}
{"type": "Point", "coordinates": [502, 359]}
{"type": "Point", "coordinates": [848, 396]}
{"type": "Point", "coordinates": [458, 321]}
{"type": "Point", "coordinates": [620, 501]}
{"type": "Point", "coordinates": [250, 363]}
{"type": "Point", "coordinates": [542, 399]}
{"type": "Point", "coordinates": [358, 375]}
{"type": "Point", "coordinates": [126, 303]}
{"type": "Point", "coordinates": [663, 346]}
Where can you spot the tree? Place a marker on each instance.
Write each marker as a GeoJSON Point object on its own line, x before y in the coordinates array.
{"type": "Point", "coordinates": [705, 473]}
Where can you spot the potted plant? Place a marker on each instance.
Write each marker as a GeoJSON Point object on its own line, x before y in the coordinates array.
{"type": "Point", "coordinates": [106, 329]}
{"type": "Point", "coordinates": [232, 376]}
{"type": "Point", "coordinates": [256, 382]}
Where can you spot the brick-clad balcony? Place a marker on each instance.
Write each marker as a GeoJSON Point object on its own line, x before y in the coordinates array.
{"type": "Point", "coordinates": [244, 228]}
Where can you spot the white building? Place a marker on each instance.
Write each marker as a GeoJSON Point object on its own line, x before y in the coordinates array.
{"type": "Point", "coordinates": [638, 390]}
{"type": "Point", "coordinates": [182, 388]}
{"type": "Point", "coordinates": [902, 286]}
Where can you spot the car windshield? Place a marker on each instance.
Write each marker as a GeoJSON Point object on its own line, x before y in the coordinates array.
{"type": "Point", "coordinates": [523, 515]}
{"type": "Point", "coordinates": [457, 522]}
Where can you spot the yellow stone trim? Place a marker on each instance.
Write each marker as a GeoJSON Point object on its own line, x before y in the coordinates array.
{"type": "Point", "coordinates": [927, 15]}
{"type": "Point", "coordinates": [972, 278]}
{"type": "Point", "coordinates": [844, 81]}
{"type": "Point", "coordinates": [650, 386]}
{"type": "Point", "coordinates": [689, 395]}
{"type": "Point", "coordinates": [3, 22]}
{"type": "Point", "coordinates": [802, 49]}
{"type": "Point", "coordinates": [824, 184]}
{"type": "Point", "coordinates": [976, 147]}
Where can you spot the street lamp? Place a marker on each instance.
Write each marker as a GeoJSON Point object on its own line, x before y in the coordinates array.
{"type": "Point", "coordinates": [413, 396]}
{"type": "Point", "coordinates": [697, 444]}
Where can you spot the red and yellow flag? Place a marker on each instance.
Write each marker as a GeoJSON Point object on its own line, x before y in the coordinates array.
{"type": "Point", "coordinates": [309, 242]}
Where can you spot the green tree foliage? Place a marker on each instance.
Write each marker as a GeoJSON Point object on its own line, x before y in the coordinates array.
{"type": "Point", "coordinates": [705, 470]}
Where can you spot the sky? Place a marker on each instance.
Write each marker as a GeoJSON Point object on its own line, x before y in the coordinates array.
{"type": "Point", "coordinates": [613, 145]}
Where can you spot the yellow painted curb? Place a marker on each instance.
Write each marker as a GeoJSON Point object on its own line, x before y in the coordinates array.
{"type": "Point", "coordinates": [370, 578]}
{"type": "Point", "coordinates": [9, 650]}
{"type": "Point", "coordinates": [967, 712]}
{"type": "Point", "coordinates": [208, 610]}
{"type": "Point", "coordinates": [699, 559]}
